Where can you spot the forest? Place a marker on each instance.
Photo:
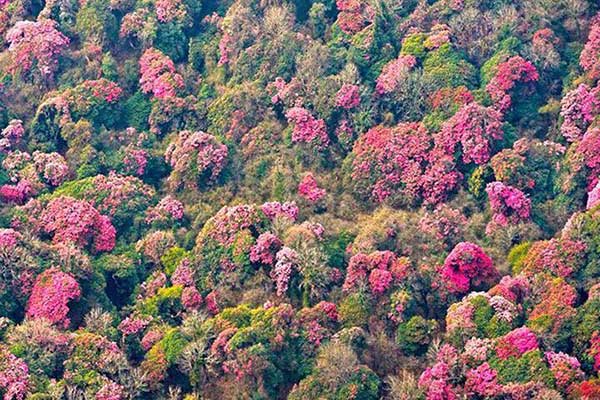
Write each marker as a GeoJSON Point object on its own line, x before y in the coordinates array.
{"type": "Point", "coordinates": [299, 199]}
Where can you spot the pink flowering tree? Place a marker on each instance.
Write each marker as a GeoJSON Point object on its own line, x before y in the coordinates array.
{"type": "Point", "coordinates": [379, 270]}
{"type": "Point", "coordinates": [309, 189]}
{"type": "Point", "coordinates": [474, 128]}
{"type": "Point", "coordinates": [196, 158]}
{"type": "Point", "coordinates": [348, 97]}
{"type": "Point", "coordinates": [508, 74]}
{"type": "Point", "coordinates": [509, 205]}
{"type": "Point", "coordinates": [391, 162]}
{"type": "Point", "coordinates": [11, 135]}
{"type": "Point", "coordinates": [167, 209]}
{"type": "Point", "coordinates": [587, 153]}
{"type": "Point", "coordinates": [286, 263]}
{"type": "Point", "coordinates": [307, 129]}
{"type": "Point", "coordinates": [158, 75]}
{"type": "Point", "coordinates": [589, 58]}
{"type": "Point", "coordinates": [35, 44]}
{"type": "Point", "coordinates": [52, 292]}
{"type": "Point", "coordinates": [516, 343]}
{"type": "Point", "coordinates": [354, 15]}
{"type": "Point", "coordinates": [14, 375]}
{"type": "Point", "coordinates": [393, 73]}
{"type": "Point", "coordinates": [77, 221]}
{"type": "Point", "coordinates": [579, 107]}
{"type": "Point", "coordinates": [467, 267]}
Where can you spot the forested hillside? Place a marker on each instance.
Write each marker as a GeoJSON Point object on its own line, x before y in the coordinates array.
{"type": "Point", "coordinates": [299, 199]}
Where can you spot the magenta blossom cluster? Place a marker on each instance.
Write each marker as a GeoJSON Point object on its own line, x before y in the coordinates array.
{"type": "Point", "coordinates": [14, 375]}
{"type": "Point", "coordinates": [195, 154]}
{"type": "Point", "coordinates": [379, 270]}
{"type": "Point", "coordinates": [36, 42]}
{"type": "Point", "coordinates": [309, 189]}
{"type": "Point", "coordinates": [515, 70]}
{"type": "Point", "coordinates": [516, 343]}
{"type": "Point", "coordinates": [167, 208]}
{"type": "Point", "coordinates": [474, 127]}
{"type": "Point", "coordinates": [266, 247]}
{"type": "Point", "coordinates": [468, 266]}
{"type": "Point", "coordinates": [307, 129]}
{"type": "Point", "coordinates": [348, 96]}
{"type": "Point", "coordinates": [354, 15]}
{"type": "Point", "coordinates": [394, 73]}
{"type": "Point", "coordinates": [78, 222]}
{"type": "Point", "coordinates": [589, 58]}
{"type": "Point", "coordinates": [158, 75]}
{"type": "Point", "coordinates": [11, 135]}
{"type": "Point", "coordinates": [276, 209]}
{"type": "Point", "coordinates": [50, 297]}
{"type": "Point", "coordinates": [578, 109]}
{"type": "Point", "coordinates": [286, 261]}
{"type": "Point", "coordinates": [508, 204]}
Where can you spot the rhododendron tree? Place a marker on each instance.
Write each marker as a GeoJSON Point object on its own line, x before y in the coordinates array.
{"type": "Point", "coordinates": [354, 15]}
{"type": "Point", "coordinates": [579, 107]}
{"type": "Point", "coordinates": [589, 58]}
{"type": "Point", "coordinates": [158, 75]}
{"type": "Point", "coordinates": [77, 221]}
{"type": "Point", "coordinates": [309, 189]}
{"type": "Point", "coordinates": [307, 129]}
{"type": "Point", "coordinates": [587, 154]}
{"type": "Point", "coordinates": [266, 247]}
{"type": "Point", "coordinates": [348, 96]}
{"type": "Point", "coordinates": [508, 204]}
{"type": "Point", "coordinates": [14, 375]}
{"type": "Point", "coordinates": [285, 264]}
{"type": "Point", "coordinates": [11, 135]}
{"type": "Point", "coordinates": [475, 128]}
{"type": "Point", "coordinates": [467, 266]}
{"type": "Point", "coordinates": [167, 208]}
{"type": "Point", "coordinates": [394, 73]}
{"type": "Point", "coordinates": [379, 270]}
{"type": "Point", "coordinates": [36, 43]}
{"type": "Point", "coordinates": [196, 158]}
{"type": "Point", "coordinates": [516, 343]}
{"type": "Point", "coordinates": [50, 297]}
{"type": "Point", "coordinates": [514, 70]}
{"type": "Point", "coordinates": [389, 160]}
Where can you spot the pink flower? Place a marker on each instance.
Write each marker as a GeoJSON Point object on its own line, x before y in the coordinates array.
{"type": "Point", "coordinates": [379, 281]}
{"type": "Point", "coordinates": [393, 73]}
{"type": "Point", "coordinates": [9, 238]}
{"type": "Point", "coordinates": [110, 391]}
{"type": "Point", "coordinates": [267, 245]}
{"type": "Point", "coordinates": [191, 298]}
{"type": "Point", "coordinates": [508, 204]}
{"type": "Point", "coordinates": [579, 107]}
{"type": "Point", "coordinates": [52, 292]}
{"type": "Point", "coordinates": [309, 189]}
{"type": "Point", "coordinates": [131, 326]}
{"type": "Point", "coordinates": [194, 155]}
{"type": "Point", "coordinates": [466, 266]}
{"type": "Point", "coordinates": [14, 375]}
{"type": "Point", "coordinates": [348, 96]}
{"type": "Point", "coordinates": [35, 42]}
{"type": "Point", "coordinates": [275, 209]}
{"type": "Point", "coordinates": [509, 73]}
{"type": "Point", "coordinates": [158, 75]}
{"type": "Point", "coordinates": [475, 127]}
{"type": "Point", "coordinates": [483, 381]}
{"type": "Point", "coordinates": [282, 271]}
{"type": "Point", "coordinates": [590, 56]}
{"type": "Point", "coordinates": [516, 343]}
{"type": "Point", "coordinates": [307, 129]}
